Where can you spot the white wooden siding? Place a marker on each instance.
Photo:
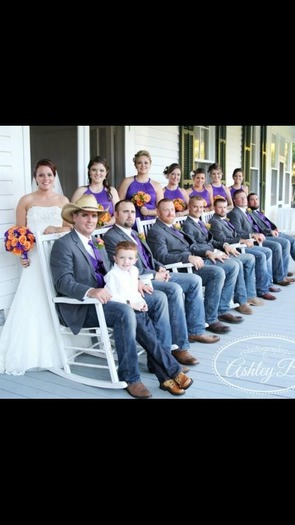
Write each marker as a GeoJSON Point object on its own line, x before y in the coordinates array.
{"type": "Point", "coordinates": [233, 151]}
{"type": "Point", "coordinates": [162, 142]}
{"type": "Point", "coordinates": [15, 180]}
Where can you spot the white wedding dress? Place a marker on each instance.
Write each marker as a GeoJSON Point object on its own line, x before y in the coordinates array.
{"type": "Point", "coordinates": [27, 340]}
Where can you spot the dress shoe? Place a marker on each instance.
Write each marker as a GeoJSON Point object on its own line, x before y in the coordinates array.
{"type": "Point", "coordinates": [183, 381]}
{"type": "Point", "coordinates": [273, 289]}
{"type": "Point", "coordinates": [172, 387]}
{"type": "Point", "coordinates": [289, 274]}
{"type": "Point", "coordinates": [244, 309]}
{"type": "Point", "coordinates": [268, 296]}
{"type": "Point", "coordinates": [184, 369]}
{"type": "Point", "coordinates": [218, 328]}
{"type": "Point", "coordinates": [255, 301]}
{"type": "Point", "coordinates": [138, 390]}
{"type": "Point", "coordinates": [284, 282]}
{"type": "Point", "coordinates": [230, 318]}
{"type": "Point", "coordinates": [203, 338]}
{"type": "Point", "coordinates": [184, 357]}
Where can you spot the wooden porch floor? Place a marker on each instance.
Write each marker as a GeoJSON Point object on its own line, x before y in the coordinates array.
{"type": "Point", "coordinates": [256, 360]}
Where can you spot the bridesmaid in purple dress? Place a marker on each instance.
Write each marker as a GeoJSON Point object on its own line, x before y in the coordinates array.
{"type": "Point", "coordinates": [199, 189]}
{"type": "Point", "coordinates": [99, 186]}
{"type": "Point", "coordinates": [218, 188]}
{"type": "Point", "coordinates": [238, 177]}
{"type": "Point", "coordinates": [144, 192]}
{"type": "Point", "coordinates": [172, 191]}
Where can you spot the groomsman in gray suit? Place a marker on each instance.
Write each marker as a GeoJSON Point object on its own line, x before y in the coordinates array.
{"type": "Point", "coordinates": [187, 318]}
{"type": "Point", "coordinates": [170, 245]}
{"type": "Point", "coordinates": [270, 230]}
{"type": "Point", "coordinates": [219, 252]}
{"type": "Point", "coordinates": [223, 230]}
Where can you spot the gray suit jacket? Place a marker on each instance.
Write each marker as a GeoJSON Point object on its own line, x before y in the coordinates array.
{"type": "Point", "coordinates": [262, 225]}
{"type": "Point", "coordinates": [115, 235]}
{"type": "Point", "coordinates": [240, 222]}
{"type": "Point", "coordinates": [205, 242]}
{"type": "Point", "coordinates": [73, 274]}
{"type": "Point", "coordinates": [221, 232]}
{"type": "Point", "coordinates": [167, 246]}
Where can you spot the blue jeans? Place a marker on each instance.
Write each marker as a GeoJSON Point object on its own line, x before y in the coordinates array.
{"type": "Point", "coordinates": [263, 268]}
{"type": "Point", "coordinates": [246, 282]}
{"type": "Point", "coordinates": [291, 241]}
{"type": "Point", "coordinates": [219, 287]}
{"type": "Point", "coordinates": [122, 319]}
{"type": "Point", "coordinates": [161, 361]}
{"type": "Point", "coordinates": [280, 256]}
{"type": "Point", "coordinates": [159, 314]}
{"type": "Point", "coordinates": [187, 314]}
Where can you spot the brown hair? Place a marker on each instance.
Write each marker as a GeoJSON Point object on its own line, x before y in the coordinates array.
{"type": "Point", "coordinates": [125, 245]}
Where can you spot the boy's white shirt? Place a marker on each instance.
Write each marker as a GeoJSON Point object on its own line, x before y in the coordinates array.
{"type": "Point", "coordinates": [123, 285]}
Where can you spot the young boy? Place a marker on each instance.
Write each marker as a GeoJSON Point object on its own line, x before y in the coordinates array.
{"type": "Point", "coordinates": [122, 283]}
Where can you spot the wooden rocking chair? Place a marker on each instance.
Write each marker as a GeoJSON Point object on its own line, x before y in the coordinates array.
{"type": "Point", "coordinates": [77, 351]}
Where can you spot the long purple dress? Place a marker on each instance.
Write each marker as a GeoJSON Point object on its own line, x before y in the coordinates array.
{"type": "Point", "coordinates": [232, 190]}
{"type": "Point", "coordinates": [219, 190]}
{"type": "Point", "coordinates": [102, 198]}
{"type": "Point", "coordinates": [204, 193]}
{"type": "Point", "coordinates": [146, 187]}
{"type": "Point", "coordinates": [174, 194]}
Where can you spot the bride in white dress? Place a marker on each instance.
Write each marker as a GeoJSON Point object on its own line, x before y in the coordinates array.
{"type": "Point", "coordinates": [27, 340]}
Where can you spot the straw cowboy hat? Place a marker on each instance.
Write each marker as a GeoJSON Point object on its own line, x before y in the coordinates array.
{"type": "Point", "coordinates": [85, 203]}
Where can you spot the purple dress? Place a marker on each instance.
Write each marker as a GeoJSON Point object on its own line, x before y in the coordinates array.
{"type": "Point", "coordinates": [102, 198]}
{"type": "Point", "coordinates": [219, 191]}
{"type": "Point", "coordinates": [205, 194]}
{"type": "Point", "coordinates": [232, 190]}
{"type": "Point", "coordinates": [174, 194]}
{"type": "Point", "coordinates": [146, 187]}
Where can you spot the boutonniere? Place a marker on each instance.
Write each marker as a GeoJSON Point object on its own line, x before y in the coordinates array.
{"type": "Point", "coordinates": [99, 243]}
{"type": "Point", "coordinates": [177, 226]}
{"type": "Point", "coordinates": [208, 226]}
{"type": "Point", "coordinates": [249, 210]}
{"type": "Point", "coordinates": [142, 236]}
{"type": "Point", "coordinates": [19, 241]}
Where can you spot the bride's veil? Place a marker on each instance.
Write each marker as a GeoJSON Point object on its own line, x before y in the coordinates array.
{"type": "Point", "coordinates": [57, 185]}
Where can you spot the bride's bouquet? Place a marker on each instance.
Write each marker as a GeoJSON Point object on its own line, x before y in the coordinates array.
{"type": "Point", "coordinates": [19, 241]}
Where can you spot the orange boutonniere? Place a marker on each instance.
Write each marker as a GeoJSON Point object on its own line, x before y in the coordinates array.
{"type": "Point", "coordinates": [19, 241]}
{"type": "Point", "coordinates": [179, 204]}
{"type": "Point", "coordinates": [99, 243]}
{"type": "Point", "coordinates": [140, 198]}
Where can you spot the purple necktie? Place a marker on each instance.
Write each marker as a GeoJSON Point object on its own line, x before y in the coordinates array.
{"type": "Point", "coordinates": [251, 220]}
{"type": "Point", "coordinates": [141, 248]}
{"type": "Point", "coordinates": [262, 218]}
{"type": "Point", "coordinates": [203, 227]}
{"type": "Point", "coordinates": [97, 264]}
{"type": "Point", "coordinates": [229, 225]}
{"type": "Point", "coordinates": [180, 235]}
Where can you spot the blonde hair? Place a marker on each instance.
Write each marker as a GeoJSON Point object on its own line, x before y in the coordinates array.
{"type": "Point", "coordinates": [142, 153]}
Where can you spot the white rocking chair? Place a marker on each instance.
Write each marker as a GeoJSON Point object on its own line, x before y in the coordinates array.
{"type": "Point", "coordinates": [95, 341]}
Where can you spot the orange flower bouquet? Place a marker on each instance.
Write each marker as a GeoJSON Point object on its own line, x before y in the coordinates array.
{"type": "Point", "coordinates": [103, 219]}
{"type": "Point", "coordinates": [19, 241]}
{"type": "Point", "coordinates": [179, 204]}
{"type": "Point", "coordinates": [140, 198]}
